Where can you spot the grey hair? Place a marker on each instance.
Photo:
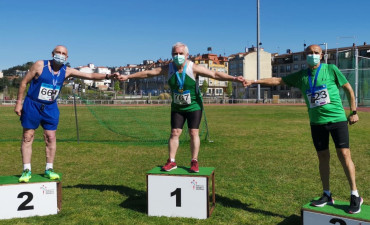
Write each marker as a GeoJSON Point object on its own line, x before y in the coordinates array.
{"type": "Point", "coordinates": [178, 44]}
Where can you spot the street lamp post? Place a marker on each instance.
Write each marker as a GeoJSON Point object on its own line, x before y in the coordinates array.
{"type": "Point", "coordinates": [337, 53]}
{"type": "Point", "coordinates": [326, 52]}
{"type": "Point", "coordinates": [258, 51]}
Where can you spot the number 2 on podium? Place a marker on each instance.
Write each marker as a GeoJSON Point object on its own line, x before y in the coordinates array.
{"type": "Point", "coordinates": [24, 205]}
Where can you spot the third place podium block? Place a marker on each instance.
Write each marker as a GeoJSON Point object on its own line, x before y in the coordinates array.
{"type": "Point", "coordinates": [334, 214]}
{"type": "Point", "coordinates": [39, 197]}
{"type": "Point", "coordinates": [179, 193]}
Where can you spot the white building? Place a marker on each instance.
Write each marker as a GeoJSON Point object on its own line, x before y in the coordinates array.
{"type": "Point", "coordinates": [90, 68]}
{"type": "Point", "coordinates": [87, 69]}
{"type": "Point", "coordinates": [1, 74]}
{"type": "Point", "coordinates": [245, 64]}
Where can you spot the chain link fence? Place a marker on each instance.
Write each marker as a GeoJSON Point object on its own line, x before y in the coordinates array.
{"type": "Point", "coordinates": [356, 68]}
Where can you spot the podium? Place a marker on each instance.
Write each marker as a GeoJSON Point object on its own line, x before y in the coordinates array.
{"type": "Point", "coordinates": [179, 193]}
{"type": "Point", "coordinates": [39, 197]}
{"type": "Point", "coordinates": [334, 214]}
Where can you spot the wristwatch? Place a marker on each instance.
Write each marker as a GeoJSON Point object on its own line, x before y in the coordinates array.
{"type": "Point", "coordinates": [106, 76]}
{"type": "Point", "coordinates": [354, 112]}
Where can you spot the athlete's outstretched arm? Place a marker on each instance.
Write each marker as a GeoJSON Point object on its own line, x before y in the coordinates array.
{"type": "Point", "coordinates": [143, 74]}
{"type": "Point", "coordinates": [273, 81]}
{"type": "Point", "coordinates": [89, 76]}
{"type": "Point", "coordinates": [218, 75]}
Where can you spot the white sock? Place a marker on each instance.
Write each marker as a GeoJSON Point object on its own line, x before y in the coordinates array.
{"type": "Point", "coordinates": [172, 160]}
{"type": "Point", "coordinates": [327, 192]}
{"type": "Point", "coordinates": [355, 193]}
{"type": "Point", "coordinates": [49, 166]}
{"type": "Point", "coordinates": [27, 166]}
{"type": "Point", "coordinates": [194, 160]}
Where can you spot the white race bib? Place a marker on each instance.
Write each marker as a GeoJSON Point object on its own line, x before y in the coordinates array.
{"type": "Point", "coordinates": [48, 93]}
{"type": "Point", "coordinates": [183, 98]}
{"type": "Point", "coordinates": [321, 96]}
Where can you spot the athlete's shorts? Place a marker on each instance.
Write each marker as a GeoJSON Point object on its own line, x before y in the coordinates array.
{"type": "Point", "coordinates": [35, 113]}
{"type": "Point", "coordinates": [193, 119]}
{"type": "Point", "coordinates": [338, 131]}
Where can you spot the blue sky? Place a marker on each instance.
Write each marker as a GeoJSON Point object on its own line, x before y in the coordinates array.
{"type": "Point", "coordinates": [119, 32]}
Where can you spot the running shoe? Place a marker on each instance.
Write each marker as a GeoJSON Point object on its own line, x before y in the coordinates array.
{"type": "Point", "coordinates": [355, 204]}
{"type": "Point", "coordinates": [194, 168]}
{"type": "Point", "coordinates": [51, 174]}
{"type": "Point", "coordinates": [26, 176]}
{"type": "Point", "coordinates": [169, 166]}
{"type": "Point", "coordinates": [321, 202]}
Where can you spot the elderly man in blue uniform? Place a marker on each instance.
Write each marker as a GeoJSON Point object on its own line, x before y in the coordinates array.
{"type": "Point", "coordinates": [46, 79]}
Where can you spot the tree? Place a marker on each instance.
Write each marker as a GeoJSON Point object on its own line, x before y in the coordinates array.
{"type": "Point", "coordinates": [117, 86]}
{"type": "Point", "coordinates": [229, 89]}
{"type": "Point", "coordinates": [12, 70]}
{"type": "Point", "coordinates": [4, 82]}
{"type": "Point", "coordinates": [204, 87]}
{"type": "Point", "coordinates": [16, 82]}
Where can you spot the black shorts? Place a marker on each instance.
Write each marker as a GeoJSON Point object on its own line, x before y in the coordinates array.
{"type": "Point", "coordinates": [338, 131]}
{"type": "Point", "coordinates": [193, 119]}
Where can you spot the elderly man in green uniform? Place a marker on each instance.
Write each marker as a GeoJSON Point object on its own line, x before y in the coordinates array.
{"type": "Point", "coordinates": [186, 99]}
{"type": "Point", "coordinates": [319, 85]}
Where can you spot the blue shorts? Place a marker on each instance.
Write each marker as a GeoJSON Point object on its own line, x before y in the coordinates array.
{"type": "Point", "coordinates": [35, 113]}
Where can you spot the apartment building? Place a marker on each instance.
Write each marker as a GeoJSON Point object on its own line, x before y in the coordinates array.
{"type": "Point", "coordinates": [90, 68]}
{"type": "Point", "coordinates": [292, 62]}
{"type": "Point", "coordinates": [153, 85]}
{"type": "Point", "coordinates": [214, 63]}
{"type": "Point", "coordinates": [245, 64]}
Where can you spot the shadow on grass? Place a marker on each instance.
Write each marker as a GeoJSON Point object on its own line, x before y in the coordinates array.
{"type": "Point", "coordinates": [136, 199]}
{"type": "Point", "coordinates": [234, 203]}
{"type": "Point", "coordinates": [293, 219]}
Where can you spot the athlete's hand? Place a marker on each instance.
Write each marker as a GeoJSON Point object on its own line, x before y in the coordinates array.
{"type": "Point", "coordinates": [248, 83]}
{"type": "Point", "coordinates": [122, 77]}
{"type": "Point", "coordinates": [18, 108]}
{"type": "Point", "coordinates": [352, 119]}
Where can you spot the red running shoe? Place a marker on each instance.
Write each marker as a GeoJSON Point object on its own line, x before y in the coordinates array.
{"type": "Point", "coordinates": [169, 166]}
{"type": "Point", "coordinates": [194, 166]}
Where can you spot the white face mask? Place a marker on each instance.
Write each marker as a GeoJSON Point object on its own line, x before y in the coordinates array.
{"type": "Point", "coordinates": [313, 59]}
{"type": "Point", "coordinates": [60, 59]}
{"type": "Point", "coordinates": [178, 59]}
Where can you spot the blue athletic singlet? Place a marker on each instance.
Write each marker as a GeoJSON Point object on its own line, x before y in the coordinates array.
{"type": "Point", "coordinates": [40, 106]}
{"type": "Point", "coordinates": [46, 88]}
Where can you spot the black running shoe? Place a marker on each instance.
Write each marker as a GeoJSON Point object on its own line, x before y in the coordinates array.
{"type": "Point", "coordinates": [325, 199]}
{"type": "Point", "coordinates": [355, 204]}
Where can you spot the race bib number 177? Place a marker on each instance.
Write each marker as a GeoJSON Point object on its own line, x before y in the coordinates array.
{"type": "Point", "coordinates": [183, 98]}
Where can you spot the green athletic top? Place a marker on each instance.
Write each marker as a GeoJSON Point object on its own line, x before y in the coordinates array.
{"type": "Point", "coordinates": [328, 105]}
{"type": "Point", "coordinates": [189, 99]}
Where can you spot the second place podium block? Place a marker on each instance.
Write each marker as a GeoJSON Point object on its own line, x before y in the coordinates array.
{"type": "Point", "coordinates": [39, 197]}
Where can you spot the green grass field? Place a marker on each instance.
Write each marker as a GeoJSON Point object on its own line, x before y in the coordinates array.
{"type": "Point", "coordinates": [266, 165]}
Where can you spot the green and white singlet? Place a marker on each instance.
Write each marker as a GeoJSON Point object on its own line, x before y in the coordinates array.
{"type": "Point", "coordinates": [189, 99]}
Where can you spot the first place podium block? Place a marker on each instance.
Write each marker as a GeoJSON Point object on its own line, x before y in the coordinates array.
{"type": "Point", "coordinates": [39, 197]}
{"type": "Point", "coordinates": [179, 193]}
{"type": "Point", "coordinates": [334, 214]}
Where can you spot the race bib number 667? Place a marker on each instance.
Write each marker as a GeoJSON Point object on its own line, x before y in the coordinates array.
{"type": "Point", "coordinates": [48, 93]}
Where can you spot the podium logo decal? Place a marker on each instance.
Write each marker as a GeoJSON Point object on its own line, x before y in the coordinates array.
{"type": "Point", "coordinates": [196, 186]}
{"type": "Point", "coordinates": [46, 191]}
